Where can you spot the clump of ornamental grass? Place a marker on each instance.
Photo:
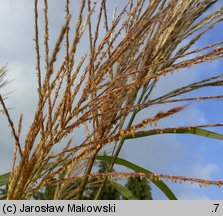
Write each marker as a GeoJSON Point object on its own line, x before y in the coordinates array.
{"type": "Point", "coordinates": [102, 91]}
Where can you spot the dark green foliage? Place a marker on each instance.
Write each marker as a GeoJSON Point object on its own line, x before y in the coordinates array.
{"type": "Point", "coordinates": [139, 187]}
{"type": "Point", "coordinates": [109, 192]}
{"type": "Point", "coordinates": [3, 192]}
{"type": "Point", "coordinates": [48, 193]}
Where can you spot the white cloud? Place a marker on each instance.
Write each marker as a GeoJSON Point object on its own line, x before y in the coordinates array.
{"type": "Point", "coordinates": [190, 195]}
{"type": "Point", "coordinates": [188, 191]}
{"type": "Point", "coordinates": [204, 171]}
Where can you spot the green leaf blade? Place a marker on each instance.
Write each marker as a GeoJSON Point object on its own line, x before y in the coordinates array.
{"type": "Point", "coordinates": [181, 130]}
{"type": "Point", "coordinates": [123, 190]}
{"type": "Point", "coordinates": [4, 179]}
{"type": "Point", "coordinates": [159, 183]}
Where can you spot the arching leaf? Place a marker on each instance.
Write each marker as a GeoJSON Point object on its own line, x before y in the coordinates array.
{"type": "Point", "coordinates": [180, 130]}
{"type": "Point", "coordinates": [159, 183]}
{"type": "Point", "coordinates": [123, 190]}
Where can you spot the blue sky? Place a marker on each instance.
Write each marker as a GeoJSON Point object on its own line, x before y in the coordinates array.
{"type": "Point", "coordinates": [170, 154]}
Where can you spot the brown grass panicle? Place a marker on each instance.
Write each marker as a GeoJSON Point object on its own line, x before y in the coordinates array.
{"type": "Point", "coordinates": [105, 89]}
